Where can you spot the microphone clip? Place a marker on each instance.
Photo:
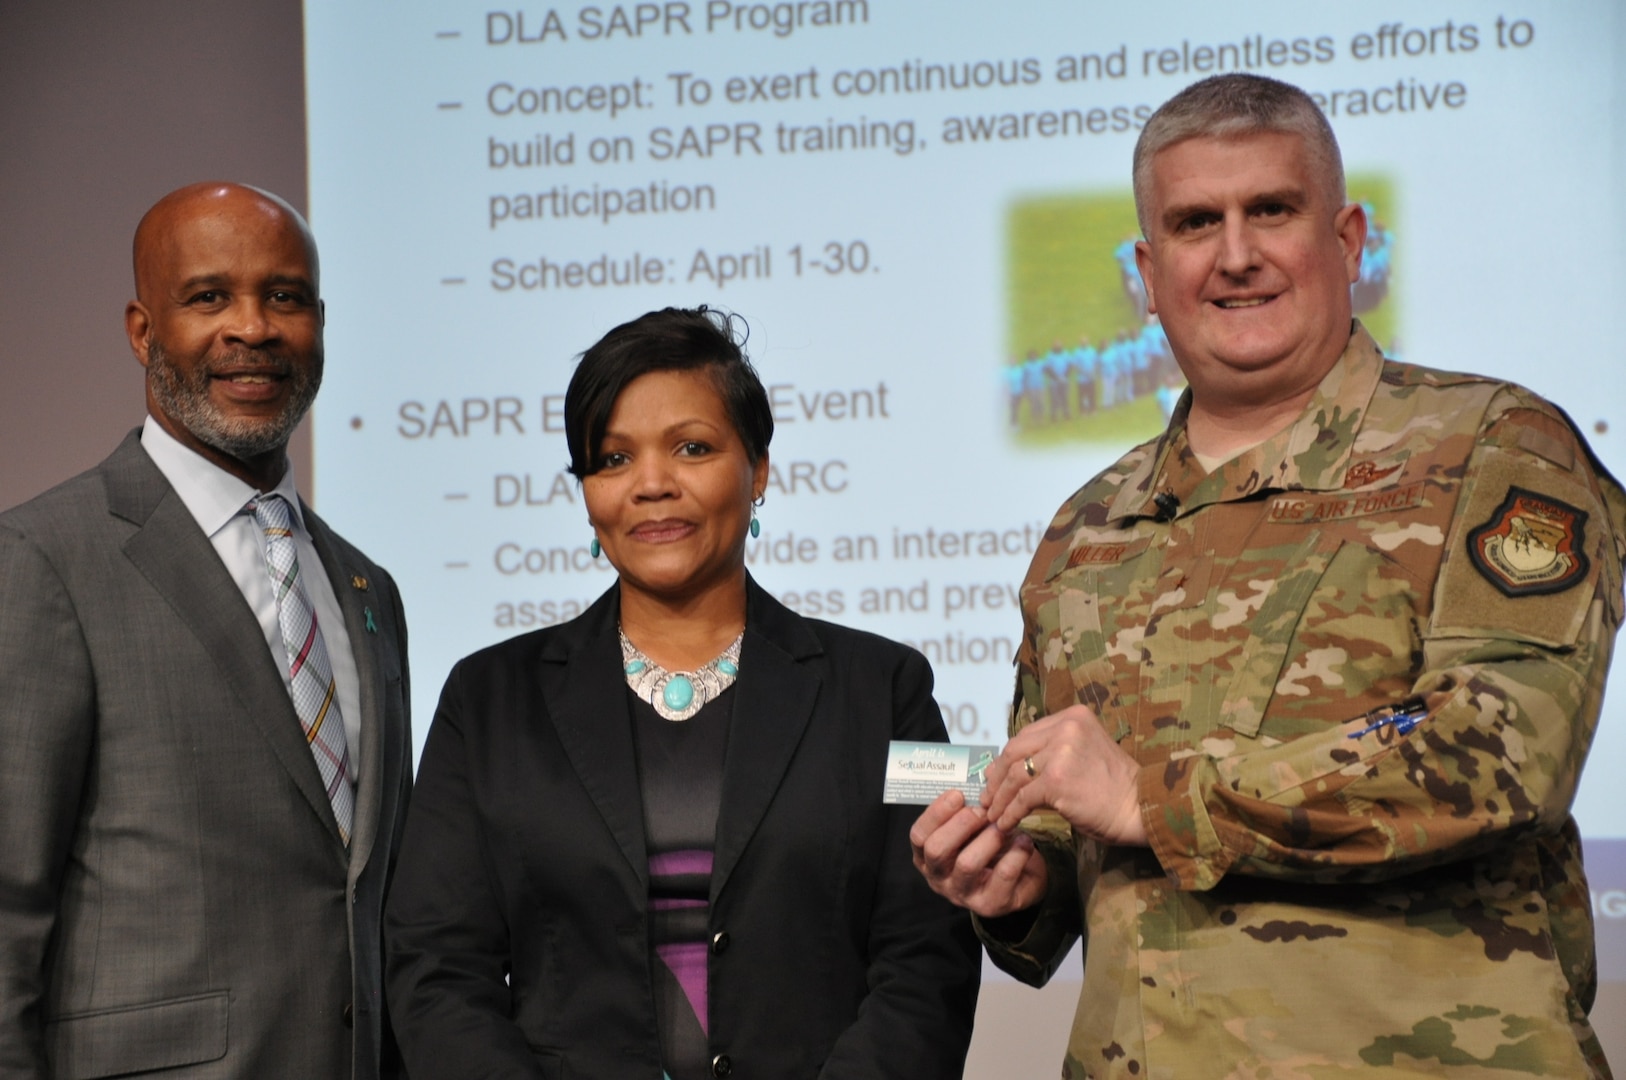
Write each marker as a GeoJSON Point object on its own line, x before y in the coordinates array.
{"type": "Point", "coordinates": [1167, 506]}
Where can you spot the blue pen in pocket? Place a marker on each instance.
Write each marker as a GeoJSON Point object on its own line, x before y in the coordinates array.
{"type": "Point", "coordinates": [1402, 717]}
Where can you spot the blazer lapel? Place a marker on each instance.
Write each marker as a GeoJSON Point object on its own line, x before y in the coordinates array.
{"type": "Point", "coordinates": [365, 648]}
{"type": "Point", "coordinates": [774, 699]}
{"type": "Point", "coordinates": [172, 553]}
{"type": "Point", "coordinates": [587, 703]}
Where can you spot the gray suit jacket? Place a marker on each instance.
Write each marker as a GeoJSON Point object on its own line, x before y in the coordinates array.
{"type": "Point", "coordinates": [174, 892]}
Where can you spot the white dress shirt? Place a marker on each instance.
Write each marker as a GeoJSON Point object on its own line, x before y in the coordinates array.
{"type": "Point", "coordinates": [216, 500]}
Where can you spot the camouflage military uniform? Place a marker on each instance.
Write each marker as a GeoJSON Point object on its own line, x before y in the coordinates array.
{"type": "Point", "coordinates": [1327, 894]}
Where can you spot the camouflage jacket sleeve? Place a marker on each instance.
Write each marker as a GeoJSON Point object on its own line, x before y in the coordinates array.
{"type": "Point", "coordinates": [1509, 654]}
{"type": "Point", "coordinates": [1030, 945]}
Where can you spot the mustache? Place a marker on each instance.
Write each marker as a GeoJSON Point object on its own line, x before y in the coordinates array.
{"type": "Point", "coordinates": [248, 361]}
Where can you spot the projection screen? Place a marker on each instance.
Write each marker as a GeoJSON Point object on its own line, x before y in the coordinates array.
{"type": "Point", "coordinates": [922, 210]}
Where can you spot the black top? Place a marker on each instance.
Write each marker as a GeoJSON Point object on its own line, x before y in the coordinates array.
{"type": "Point", "coordinates": [680, 776]}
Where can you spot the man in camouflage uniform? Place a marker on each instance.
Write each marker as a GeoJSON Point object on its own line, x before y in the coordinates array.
{"type": "Point", "coordinates": [1313, 707]}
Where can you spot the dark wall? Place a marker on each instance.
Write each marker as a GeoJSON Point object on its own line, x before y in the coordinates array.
{"type": "Point", "coordinates": [104, 107]}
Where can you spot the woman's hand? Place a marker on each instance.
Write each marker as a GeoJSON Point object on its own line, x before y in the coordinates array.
{"type": "Point", "coordinates": [966, 859]}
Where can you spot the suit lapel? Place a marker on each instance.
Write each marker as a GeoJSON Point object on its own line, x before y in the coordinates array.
{"type": "Point", "coordinates": [364, 646]}
{"type": "Point", "coordinates": [587, 703]}
{"type": "Point", "coordinates": [174, 555]}
{"type": "Point", "coordinates": [774, 699]}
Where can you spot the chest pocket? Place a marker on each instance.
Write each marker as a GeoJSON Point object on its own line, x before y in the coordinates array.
{"type": "Point", "coordinates": [1068, 639]}
{"type": "Point", "coordinates": [1083, 653]}
{"type": "Point", "coordinates": [1074, 653]}
{"type": "Point", "coordinates": [1079, 608]}
{"type": "Point", "coordinates": [1256, 672]}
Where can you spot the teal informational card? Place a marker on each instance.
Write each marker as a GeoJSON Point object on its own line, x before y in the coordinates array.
{"type": "Point", "coordinates": [918, 772]}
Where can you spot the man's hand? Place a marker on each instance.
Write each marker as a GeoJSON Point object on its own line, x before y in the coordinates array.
{"type": "Point", "coordinates": [973, 864]}
{"type": "Point", "coordinates": [1068, 763]}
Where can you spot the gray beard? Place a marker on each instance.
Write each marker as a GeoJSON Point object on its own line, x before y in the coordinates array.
{"type": "Point", "coordinates": [185, 399]}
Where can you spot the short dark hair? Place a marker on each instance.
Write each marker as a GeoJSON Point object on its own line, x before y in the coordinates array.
{"type": "Point", "coordinates": [1234, 104]}
{"type": "Point", "coordinates": [672, 339]}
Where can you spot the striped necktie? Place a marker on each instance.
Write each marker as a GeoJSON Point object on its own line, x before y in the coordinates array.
{"type": "Point", "coordinates": [310, 675]}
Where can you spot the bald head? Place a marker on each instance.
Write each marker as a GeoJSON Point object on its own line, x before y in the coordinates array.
{"type": "Point", "coordinates": [228, 323]}
{"type": "Point", "coordinates": [183, 210]}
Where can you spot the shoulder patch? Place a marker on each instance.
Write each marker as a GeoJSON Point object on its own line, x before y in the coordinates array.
{"type": "Point", "coordinates": [1531, 545]}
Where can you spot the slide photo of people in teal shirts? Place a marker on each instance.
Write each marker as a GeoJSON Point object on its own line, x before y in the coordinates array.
{"type": "Point", "coordinates": [1084, 359]}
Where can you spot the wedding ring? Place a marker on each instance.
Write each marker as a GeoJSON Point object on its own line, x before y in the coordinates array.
{"type": "Point", "coordinates": [1027, 765]}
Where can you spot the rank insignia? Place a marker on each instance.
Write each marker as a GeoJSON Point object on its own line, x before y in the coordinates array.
{"type": "Point", "coordinates": [1363, 473]}
{"type": "Point", "coordinates": [1531, 545]}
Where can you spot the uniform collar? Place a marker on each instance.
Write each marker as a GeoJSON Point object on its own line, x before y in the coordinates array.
{"type": "Point", "coordinates": [1312, 454]}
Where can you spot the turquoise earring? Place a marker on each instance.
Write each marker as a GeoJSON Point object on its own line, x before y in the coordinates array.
{"type": "Point", "coordinates": [756, 526]}
{"type": "Point", "coordinates": [593, 549]}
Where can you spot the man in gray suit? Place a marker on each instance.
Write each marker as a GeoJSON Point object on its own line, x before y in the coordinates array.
{"type": "Point", "coordinates": [204, 753]}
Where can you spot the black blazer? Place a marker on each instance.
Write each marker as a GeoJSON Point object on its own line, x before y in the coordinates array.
{"type": "Point", "coordinates": [517, 929]}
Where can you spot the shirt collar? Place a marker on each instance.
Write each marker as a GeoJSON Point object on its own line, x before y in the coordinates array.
{"type": "Point", "coordinates": [210, 494]}
{"type": "Point", "coordinates": [1311, 454]}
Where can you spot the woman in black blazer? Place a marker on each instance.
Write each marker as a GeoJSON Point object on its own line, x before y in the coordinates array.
{"type": "Point", "coordinates": [651, 840]}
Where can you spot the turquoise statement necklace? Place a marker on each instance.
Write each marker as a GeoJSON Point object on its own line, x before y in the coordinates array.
{"type": "Point", "coordinates": [678, 695]}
